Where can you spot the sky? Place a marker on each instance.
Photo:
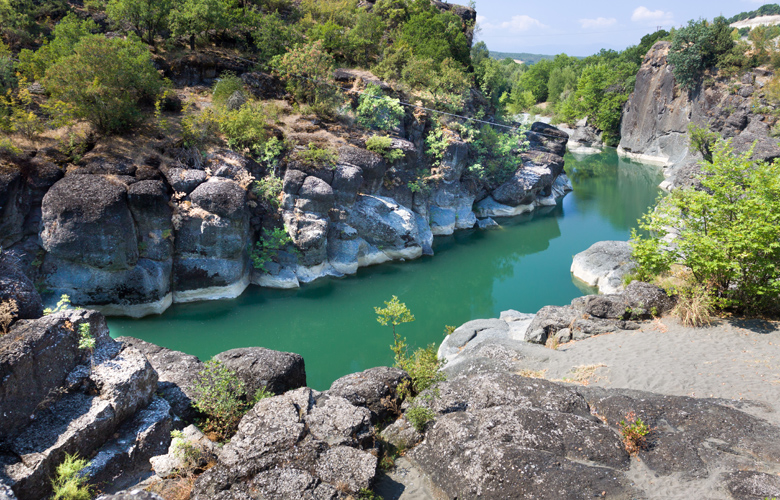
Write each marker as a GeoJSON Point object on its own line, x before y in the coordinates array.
{"type": "Point", "coordinates": [584, 27]}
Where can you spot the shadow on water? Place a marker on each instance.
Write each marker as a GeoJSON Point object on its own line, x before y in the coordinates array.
{"type": "Point", "coordinates": [524, 265]}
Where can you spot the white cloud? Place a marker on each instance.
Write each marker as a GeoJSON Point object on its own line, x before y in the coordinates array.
{"type": "Point", "coordinates": [522, 23]}
{"type": "Point", "coordinates": [599, 22]}
{"type": "Point", "coordinates": [515, 24]}
{"type": "Point", "coordinates": [644, 15]}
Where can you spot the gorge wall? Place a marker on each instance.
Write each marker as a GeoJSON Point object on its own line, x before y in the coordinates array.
{"type": "Point", "coordinates": [654, 127]}
{"type": "Point", "coordinates": [131, 237]}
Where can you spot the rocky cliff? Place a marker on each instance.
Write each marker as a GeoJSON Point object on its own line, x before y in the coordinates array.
{"type": "Point", "coordinates": [130, 236]}
{"type": "Point", "coordinates": [655, 120]}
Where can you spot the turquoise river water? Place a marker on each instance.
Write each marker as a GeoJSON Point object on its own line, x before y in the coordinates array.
{"type": "Point", "coordinates": [473, 274]}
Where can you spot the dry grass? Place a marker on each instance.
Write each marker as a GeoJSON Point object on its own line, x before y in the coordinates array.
{"type": "Point", "coordinates": [552, 343]}
{"type": "Point", "coordinates": [531, 373]}
{"type": "Point", "coordinates": [8, 311]}
{"type": "Point", "coordinates": [174, 489]}
{"type": "Point", "coordinates": [584, 374]}
{"type": "Point", "coordinates": [695, 306]}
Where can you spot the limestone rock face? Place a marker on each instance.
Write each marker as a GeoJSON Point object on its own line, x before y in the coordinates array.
{"type": "Point", "coordinates": [297, 445]}
{"type": "Point", "coordinates": [258, 367]}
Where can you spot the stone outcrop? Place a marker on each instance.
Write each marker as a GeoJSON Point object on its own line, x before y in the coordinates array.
{"type": "Point", "coordinates": [130, 237]}
{"type": "Point", "coordinates": [603, 265]}
{"type": "Point", "coordinates": [499, 435]}
{"type": "Point", "coordinates": [259, 368]}
{"type": "Point", "coordinates": [298, 445]}
{"type": "Point", "coordinates": [58, 398]}
{"type": "Point", "coordinates": [655, 120]}
{"type": "Point", "coordinates": [374, 389]}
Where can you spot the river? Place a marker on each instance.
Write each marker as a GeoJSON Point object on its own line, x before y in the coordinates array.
{"type": "Point", "coordinates": [524, 265]}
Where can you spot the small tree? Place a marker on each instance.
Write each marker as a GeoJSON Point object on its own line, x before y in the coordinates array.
{"type": "Point", "coordinates": [395, 313]}
{"type": "Point", "coordinates": [308, 70]}
{"type": "Point", "coordinates": [103, 81]}
{"type": "Point", "coordinates": [727, 234]}
{"type": "Point", "coordinates": [221, 396]}
{"type": "Point", "coordinates": [376, 110]}
{"type": "Point", "coordinates": [193, 17]}
{"type": "Point", "coordinates": [145, 16]}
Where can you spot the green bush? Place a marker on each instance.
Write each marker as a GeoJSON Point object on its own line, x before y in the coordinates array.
{"type": "Point", "coordinates": [221, 396]}
{"type": "Point", "coordinates": [268, 189]}
{"type": "Point", "coordinates": [702, 141]}
{"type": "Point", "coordinates": [727, 234]}
{"type": "Point", "coordinates": [67, 34]}
{"type": "Point", "coordinates": [246, 128]}
{"type": "Point", "coordinates": [103, 81]}
{"type": "Point", "coordinates": [381, 145]}
{"type": "Point", "coordinates": [419, 416]}
{"type": "Point", "coordinates": [697, 47]}
{"type": "Point", "coordinates": [274, 36]}
{"type": "Point", "coordinates": [378, 111]}
{"type": "Point", "coordinates": [316, 156]}
{"type": "Point", "coordinates": [308, 72]}
{"type": "Point", "coordinates": [147, 17]}
{"type": "Point", "coordinates": [225, 87]}
{"type": "Point", "coordinates": [69, 484]}
{"type": "Point", "coordinates": [269, 246]}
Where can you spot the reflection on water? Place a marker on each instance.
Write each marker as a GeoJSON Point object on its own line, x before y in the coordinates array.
{"type": "Point", "coordinates": [474, 274]}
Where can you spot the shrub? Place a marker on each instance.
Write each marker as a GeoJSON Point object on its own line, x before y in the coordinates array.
{"type": "Point", "coordinates": [381, 145]}
{"type": "Point", "coordinates": [422, 366]}
{"type": "Point", "coordinates": [103, 80]}
{"type": "Point", "coordinates": [69, 484]}
{"type": "Point", "coordinates": [246, 128]}
{"type": "Point", "coordinates": [395, 312]}
{"type": "Point", "coordinates": [697, 47]}
{"type": "Point", "coordinates": [221, 396]}
{"type": "Point", "coordinates": [225, 87]}
{"type": "Point", "coordinates": [273, 36]}
{"type": "Point", "coordinates": [308, 71]}
{"type": "Point", "coordinates": [378, 111]}
{"type": "Point", "coordinates": [727, 234]}
{"type": "Point", "coordinates": [634, 432]}
{"type": "Point", "coordinates": [316, 156]}
{"type": "Point", "coordinates": [419, 416]}
{"type": "Point", "coordinates": [86, 339]}
{"type": "Point", "coordinates": [701, 140]}
{"type": "Point", "coordinates": [694, 306]}
{"type": "Point", "coordinates": [268, 189]}
{"type": "Point", "coordinates": [198, 128]}
{"type": "Point", "coordinates": [144, 16]}
{"type": "Point", "coordinates": [185, 451]}
{"type": "Point", "coordinates": [8, 309]}
{"type": "Point", "coordinates": [268, 247]}
{"type": "Point", "coordinates": [62, 305]}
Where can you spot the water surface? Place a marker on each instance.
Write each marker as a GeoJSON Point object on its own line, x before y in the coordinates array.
{"type": "Point", "coordinates": [473, 274]}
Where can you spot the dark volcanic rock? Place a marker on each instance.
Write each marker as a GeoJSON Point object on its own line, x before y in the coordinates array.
{"type": "Point", "coordinates": [503, 436]}
{"type": "Point", "coordinates": [294, 446]}
{"type": "Point", "coordinates": [372, 165]}
{"type": "Point", "coordinates": [35, 360]}
{"type": "Point", "coordinates": [132, 494]}
{"type": "Point", "coordinates": [374, 389]}
{"type": "Point", "coordinates": [315, 195]}
{"type": "Point", "coordinates": [523, 187]}
{"type": "Point", "coordinates": [149, 204]}
{"type": "Point", "coordinates": [649, 298]}
{"type": "Point", "coordinates": [176, 373]}
{"type": "Point", "coordinates": [184, 180]}
{"type": "Point", "coordinates": [220, 196]}
{"type": "Point", "coordinates": [547, 139]}
{"type": "Point", "coordinates": [258, 367]}
{"type": "Point", "coordinates": [86, 220]}
{"type": "Point", "coordinates": [750, 485]}
{"type": "Point", "coordinates": [16, 286]}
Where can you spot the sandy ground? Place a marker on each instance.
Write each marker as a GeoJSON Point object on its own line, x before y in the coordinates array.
{"type": "Point", "coordinates": [731, 359]}
{"type": "Point", "coordinates": [735, 360]}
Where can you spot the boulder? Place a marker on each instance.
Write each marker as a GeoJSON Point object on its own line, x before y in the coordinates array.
{"type": "Point", "coordinates": [371, 164]}
{"type": "Point", "coordinates": [235, 101]}
{"type": "Point", "coordinates": [309, 233]}
{"type": "Point", "coordinates": [386, 225]}
{"type": "Point", "coordinates": [86, 220]}
{"type": "Point", "coordinates": [297, 445]}
{"type": "Point", "coordinates": [548, 321]}
{"type": "Point", "coordinates": [374, 389]}
{"type": "Point", "coordinates": [604, 265]}
{"type": "Point", "coordinates": [401, 434]}
{"type": "Point", "coordinates": [16, 286]}
{"type": "Point", "coordinates": [346, 182]}
{"type": "Point", "coordinates": [132, 494]}
{"type": "Point", "coordinates": [315, 195]}
{"type": "Point", "coordinates": [749, 485]}
{"type": "Point", "coordinates": [184, 180]}
{"type": "Point", "coordinates": [36, 359]}
{"type": "Point", "coordinates": [547, 139]}
{"type": "Point", "coordinates": [220, 196]}
{"type": "Point", "coordinates": [259, 368]}
{"type": "Point", "coordinates": [646, 300]}
{"type": "Point", "coordinates": [176, 372]}
{"type": "Point", "coordinates": [524, 185]}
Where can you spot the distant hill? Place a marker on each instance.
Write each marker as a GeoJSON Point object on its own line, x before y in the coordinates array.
{"type": "Point", "coordinates": [520, 56]}
{"type": "Point", "coordinates": [770, 9]}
